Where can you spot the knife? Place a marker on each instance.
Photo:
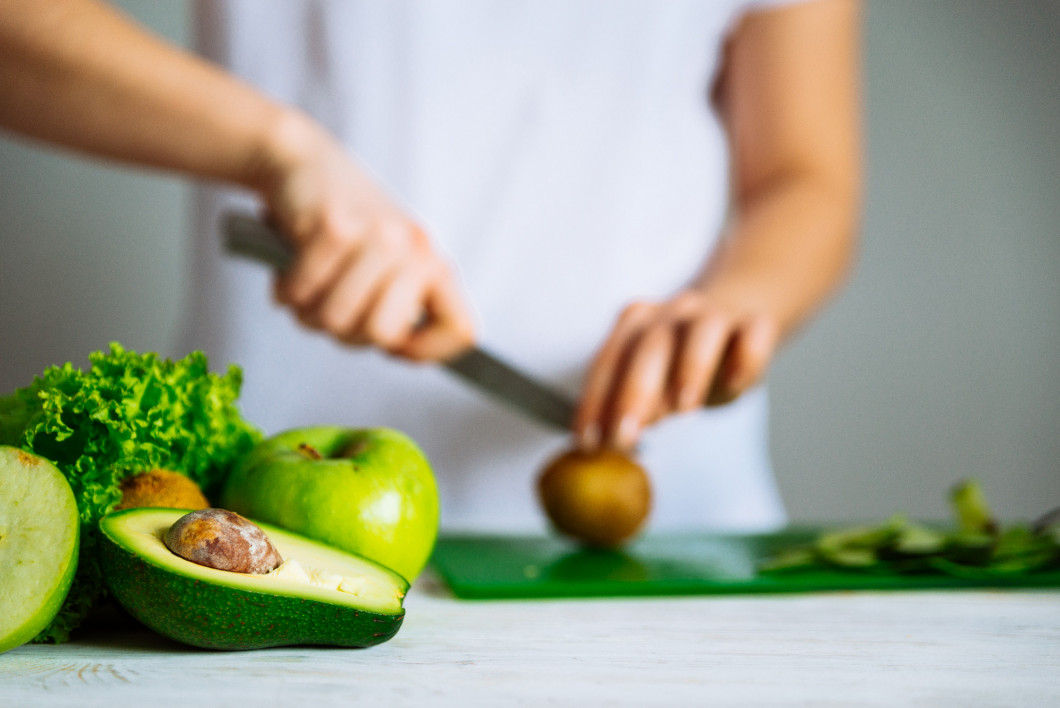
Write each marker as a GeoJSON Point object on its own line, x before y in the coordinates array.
{"type": "Point", "coordinates": [250, 237]}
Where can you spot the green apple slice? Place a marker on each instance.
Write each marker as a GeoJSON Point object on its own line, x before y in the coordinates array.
{"type": "Point", "coordinates": [39, 528]}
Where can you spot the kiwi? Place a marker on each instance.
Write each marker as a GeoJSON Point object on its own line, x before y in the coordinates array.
{"type": "Point", "coordinates": [600, 498]}
{"type": "Point", "coordinates": [161, 488]}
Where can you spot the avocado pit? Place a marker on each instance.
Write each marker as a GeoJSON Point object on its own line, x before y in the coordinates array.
{"type": "Point", "coordinates": [221, 539]}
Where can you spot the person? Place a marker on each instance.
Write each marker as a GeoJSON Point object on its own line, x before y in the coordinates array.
{"type": "Point", "coordinates": [638, 202]}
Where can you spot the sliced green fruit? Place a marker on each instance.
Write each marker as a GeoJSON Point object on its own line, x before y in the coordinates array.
{"type": "Point", "coordinates": [977, 548]}
{"type": "Point", "coordinates": [917, 540]}
{"type": "Point", "coordinates": [971, 509]}
{"type": "Point", "coordinates": [325, 596]}
{"type": "Point", "coordinates": [39, 529]}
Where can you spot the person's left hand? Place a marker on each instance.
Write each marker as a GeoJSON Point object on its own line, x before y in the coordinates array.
{"type": "Point", "coordinates": [668, 357]}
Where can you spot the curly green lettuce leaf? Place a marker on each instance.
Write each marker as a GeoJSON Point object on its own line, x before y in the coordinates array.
{"type": "Point", "coordinates": [128, 413]}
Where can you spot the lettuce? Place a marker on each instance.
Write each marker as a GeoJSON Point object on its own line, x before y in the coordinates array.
{"type": "Point", "coordinates": [128, 413]}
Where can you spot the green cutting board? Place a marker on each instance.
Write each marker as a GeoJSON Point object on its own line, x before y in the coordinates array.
{"type": "Point", "coordinates": [509, 567]}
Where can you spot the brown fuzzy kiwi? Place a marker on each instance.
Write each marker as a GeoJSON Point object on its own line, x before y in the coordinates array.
{"type": "Point", "coordinates": [161, 488]}
{"type": "Point", "coordinates": [601, 498]}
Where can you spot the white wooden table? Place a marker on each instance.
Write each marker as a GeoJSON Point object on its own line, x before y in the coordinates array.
{"type": "Point", "coordinates": [958, 648]}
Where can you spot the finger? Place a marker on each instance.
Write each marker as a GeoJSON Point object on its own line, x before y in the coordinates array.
{"type": "Point", "coordinates": [396, 313]}
{"type": "Point", "coordinates": [699, 351]}
{"type": "Point", "coordinates": [745, 360]}
{"type": "Point", "coordinates": [639, 387]}
{"type": "Point", "coordinates": [309, 316]}
{"type": "Point", "coordinates": [448, 328]}
{"type": "Point", "coordinates": [314, 271]}
{"type": "Point", "coordinates": [306, 314]}
{"type": "Point", "coordinates": [588, 418]}
{"type": "Point", "coordinates": [343, 308]}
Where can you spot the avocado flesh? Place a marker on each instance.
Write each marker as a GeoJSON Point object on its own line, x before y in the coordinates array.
{"type": "Point", "coordinates": [321, 595]}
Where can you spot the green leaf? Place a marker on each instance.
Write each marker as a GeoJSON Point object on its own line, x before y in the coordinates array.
{"type": "Point", "coordinates": [128, 413]}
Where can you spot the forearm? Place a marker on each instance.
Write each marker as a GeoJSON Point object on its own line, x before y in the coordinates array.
{"type": "Point", "coordinates": [790, 102]}
{"type": "Point", "coordinates": [789, 247]}
{"type": "Point", "coordinates": [78, 74]}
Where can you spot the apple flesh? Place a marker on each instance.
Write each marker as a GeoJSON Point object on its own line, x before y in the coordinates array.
{"type": "Point", "coordinates": [39, 532]}
{"type": "Point", "coordinates": [367, 491]}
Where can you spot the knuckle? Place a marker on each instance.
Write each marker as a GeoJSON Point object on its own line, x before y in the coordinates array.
{"type": "Point", "coordinates": [418, 236]}
{"type": "Point", "coordinates": [710, 324]}
{"type": "Point", "coordinates": [336, 321]}
{"type": "Point", "coordinates": [333, 246]}
{"type": "Point", "coordinates": [412, 354]}
{"type": "Point", "coordinates": [302, 226]}
{"type": "Point", "coordinates": [340, 217]}
{"type": "Point", "coordinates": [435, 271]}
{"type": "Point", "coordinates": [687, 377]}
{"type": "Point", "coordinates": [291, 294]}
{"type": "Point", "coordinates": [712, 315]}
{"type": "Point", "coordinates": [638, 390]}
{"type": "Point", "coordinates": [335, 224]}
{"type": "Point", "coordinates": [687, 303]}
{"type": "Point", "coordinates": [656, 334]}
{"type": "Point", "coordinates": [597, 381]}
{"type": "Point", "coordinates": [464, 335]}
{"type": "Point", "coordinates": [384, 337]}
{"type": "Point", "coordinates": [301, 293]}
{"type": "Point", "coordinates": [635, 311]}
{"type": "Point", "coordinates": [307, 318]}
{"type": "Point", "coordinates": [400, 235]}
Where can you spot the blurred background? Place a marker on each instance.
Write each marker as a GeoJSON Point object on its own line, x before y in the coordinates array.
{"type": "Point", "coordinates": [940, 360]}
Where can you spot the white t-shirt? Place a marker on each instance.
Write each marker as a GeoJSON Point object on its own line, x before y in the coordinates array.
{"type": "Point", "coordinates": [563, 154]}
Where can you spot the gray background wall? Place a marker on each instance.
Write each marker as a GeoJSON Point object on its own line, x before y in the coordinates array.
{"type": "Point", "coordinates": [940, 360]}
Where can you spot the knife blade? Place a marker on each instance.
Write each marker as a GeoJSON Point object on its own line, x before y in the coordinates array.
{"type": "Point", "coordinates": [250, 237]}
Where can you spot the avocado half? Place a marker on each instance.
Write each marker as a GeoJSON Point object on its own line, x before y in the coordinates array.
{"type": "Point", "coordinates": [219, 609]}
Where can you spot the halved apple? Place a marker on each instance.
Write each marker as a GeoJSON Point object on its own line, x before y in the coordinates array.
{"type": "Point", "coordinates": [39, 534]}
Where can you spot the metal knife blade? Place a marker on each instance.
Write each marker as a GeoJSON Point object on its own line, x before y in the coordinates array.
{"type": "Point", "coordinates": [250, 237]}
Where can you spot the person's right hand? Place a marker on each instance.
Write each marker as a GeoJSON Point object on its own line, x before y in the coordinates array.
{"type": "Point", "coordinates": [364, 271]}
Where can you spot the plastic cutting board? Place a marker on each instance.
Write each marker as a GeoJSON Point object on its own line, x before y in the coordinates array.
{"type": "Point", "coordinates": [509, 567]}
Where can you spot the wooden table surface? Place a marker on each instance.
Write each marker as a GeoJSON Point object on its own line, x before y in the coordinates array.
{"type": "Point", "coordinates": [955, 648]}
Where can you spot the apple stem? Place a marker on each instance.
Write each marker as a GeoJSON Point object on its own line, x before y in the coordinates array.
{"type": "Point", "coordinates": [310, 452]}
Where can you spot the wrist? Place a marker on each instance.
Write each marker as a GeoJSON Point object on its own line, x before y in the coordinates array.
{"type": "Point", "coordinates": [285, 140]}
{"type": "Point", "coordinates": [732, 291]}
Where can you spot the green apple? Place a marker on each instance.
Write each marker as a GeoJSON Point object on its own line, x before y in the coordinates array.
{"type": "Point", "coordinates": [366, 491]}
{"type": "Point", "coordinates": [39, 533]}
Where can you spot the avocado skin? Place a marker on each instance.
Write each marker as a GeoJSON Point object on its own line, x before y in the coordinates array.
{"type": "Point", "coordinates": [212, 616]}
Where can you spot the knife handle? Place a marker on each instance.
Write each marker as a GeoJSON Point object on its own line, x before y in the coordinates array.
{"type": "Point", "coordinates": [252, 238]}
